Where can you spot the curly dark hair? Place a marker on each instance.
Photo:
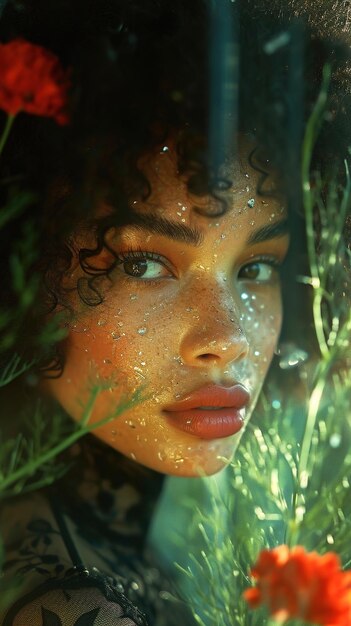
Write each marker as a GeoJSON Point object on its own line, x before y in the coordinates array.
{"type": "Point", "coordinates": [140, 70]}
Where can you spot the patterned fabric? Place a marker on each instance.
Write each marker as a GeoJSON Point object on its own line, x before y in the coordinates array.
{"type": "Point", "coordinates": [77, 550]}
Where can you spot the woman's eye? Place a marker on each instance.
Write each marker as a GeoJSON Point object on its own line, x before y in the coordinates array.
{"type": "Point", "coordinates": [144, 267]}
{"type": "Point", "coordinates": [260, 271]}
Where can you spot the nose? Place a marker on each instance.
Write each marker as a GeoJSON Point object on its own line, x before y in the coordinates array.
{"type": "Point", "coordinates": [216, 335]}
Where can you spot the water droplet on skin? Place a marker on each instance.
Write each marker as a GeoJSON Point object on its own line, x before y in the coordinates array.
{"type": "Point", "coordinates": [244, 296]}
{"type": "Point", "coordinates": [101, 322]}
{"type": "Point", "coordinates": [251, 204]}
{"type": "Point", "coordinates": [276, 404]}
{"type": "Point", "coordinates": [178, 213]}
{"type": "Point", "coordinates": [133, 296]}
{"type": "Point", "coordinates": [165, 149]}
{"type": "Point", "coordinates": [115, 335]}
{"type": "Point", "coordinates": [139, 372]}
{"type": "Point", "coordinates": [142, 331]}
{"type": "Point", "coordinates": [132, 456]}
{"type": "Point", "coordinates": [161, 456]}
{"type": "Point", "coordinates": [142, 363]}
{"type": "Point", "coordinates": [107, 361]}
{"type": "Point", "coordinates": [223, 236]}
{"type": "Point", "coordinates": [183, 208]}
{"type": "Point", "coordinates": [257, 353]}
{"type": "Point", "coordinates": [77, 329]}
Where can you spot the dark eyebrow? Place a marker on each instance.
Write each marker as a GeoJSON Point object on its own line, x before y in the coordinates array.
{"type": "Point", "coordinates": [270, 231]}
{"type": "Point", "coordinates": [158, 225]}
{"type": "Point", "coordinates": [153, 223]}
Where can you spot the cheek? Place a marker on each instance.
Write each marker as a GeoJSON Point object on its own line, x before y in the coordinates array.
{"type": "Point", "coordinates": [262, 319]}
{"type": "Point", "coordinates": [125, 344]}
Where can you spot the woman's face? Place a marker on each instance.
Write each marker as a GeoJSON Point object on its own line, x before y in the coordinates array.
{"type": "Point", "coordinates": [191, 315]}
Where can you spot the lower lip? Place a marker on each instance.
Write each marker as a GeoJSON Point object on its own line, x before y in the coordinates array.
{"type": "Point", "coordinates": [208, 423]}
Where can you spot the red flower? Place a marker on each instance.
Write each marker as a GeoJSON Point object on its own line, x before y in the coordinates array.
{"type": "Point", "coordinates": [305, 585]}
{"type": "Point", "coordinates": [32, 80]}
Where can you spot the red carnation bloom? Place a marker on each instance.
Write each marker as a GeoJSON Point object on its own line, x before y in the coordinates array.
{"type": "Point", "coordinates": [299, 584]}
{"type": "Point", "coordinates": [32, 80]}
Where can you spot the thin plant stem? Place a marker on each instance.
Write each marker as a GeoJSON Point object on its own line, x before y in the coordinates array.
{"type": "Point", "coordinates": [83, 428]}
{"type": "Point", "coordinates": [6, 131]}
{"type": "Point", "coordinates": [312, 129]}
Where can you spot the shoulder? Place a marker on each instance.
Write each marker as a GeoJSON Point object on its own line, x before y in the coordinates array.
{"type": "Point", "coordinates": [79, 599]}
{"type": "Point", "coordinates": [45, 586]}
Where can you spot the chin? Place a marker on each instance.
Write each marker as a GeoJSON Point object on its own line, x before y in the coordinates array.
{"type": "Point", "coordinates": [211, 459]}
{"type": "Point", "coordinates": [208, 469]}
{"type": "Point", "coordinates": [192, 458]}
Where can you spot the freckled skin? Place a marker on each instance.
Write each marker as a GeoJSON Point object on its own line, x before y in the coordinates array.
{"type": "Point", "coordinates": [201, 321]}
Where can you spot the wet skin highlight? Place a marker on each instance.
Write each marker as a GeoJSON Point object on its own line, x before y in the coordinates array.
{"type": "Point", "coordinates": [192, 301]}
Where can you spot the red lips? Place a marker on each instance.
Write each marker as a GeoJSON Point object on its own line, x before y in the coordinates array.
{"type": "Point", "coordinates": [223, 420]}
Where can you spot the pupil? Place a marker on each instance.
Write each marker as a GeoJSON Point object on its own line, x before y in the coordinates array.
{"type": "Point", "coordinates": [135, 268]}
{"type": "Point", "coordinates": [251, 271]}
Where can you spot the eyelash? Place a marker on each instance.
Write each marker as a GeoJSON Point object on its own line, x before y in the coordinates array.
{"type": "Point", "coordinates": [142, 255]}
{"type": "Point", "coordinates": [263, 258]}
{"type": "Point", "coordinates": [138, 254]}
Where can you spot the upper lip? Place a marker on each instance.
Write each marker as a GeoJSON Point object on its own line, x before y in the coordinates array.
{"type": "Point", "coordinates": [236, 396]}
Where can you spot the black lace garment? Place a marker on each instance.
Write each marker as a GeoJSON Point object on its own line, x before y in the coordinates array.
{"type": "Point", "coordinates": [78, 549]}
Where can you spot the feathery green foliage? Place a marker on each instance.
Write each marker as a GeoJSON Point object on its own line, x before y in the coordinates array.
{"type": "Point", "coordinates": [291, 475]}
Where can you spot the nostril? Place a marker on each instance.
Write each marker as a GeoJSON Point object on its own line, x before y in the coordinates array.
{"type": "Point", "coordinates": [207, 356]}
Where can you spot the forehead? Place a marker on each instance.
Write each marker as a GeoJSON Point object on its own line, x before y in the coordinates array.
{"type": "Point", "coordinates": [250, 185]}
